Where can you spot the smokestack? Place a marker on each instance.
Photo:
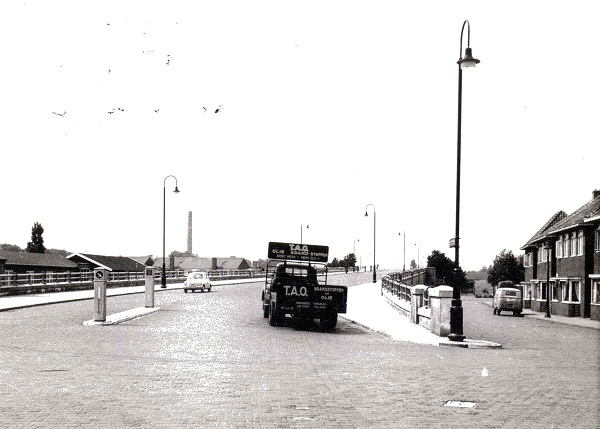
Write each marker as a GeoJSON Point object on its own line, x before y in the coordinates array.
{"type": "Point", "coordinates": [189, 241]}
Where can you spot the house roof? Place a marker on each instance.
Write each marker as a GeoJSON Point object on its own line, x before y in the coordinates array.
{"type": "Point", "coordinates": [112, 263]}
{"type": "Point", "coordinates": [144, 260]}
{"type": "Point", "coordinates": [560, 222]}
{"type": "Point", "coordinates": [578, 217]}
{"type": "Point", "coordinates": [44, 260]}
{"type": "Point", "coordinates": [542, 233]}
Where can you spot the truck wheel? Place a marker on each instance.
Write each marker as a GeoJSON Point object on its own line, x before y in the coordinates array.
{"type": "Point", "coordinates": [329, 322]}
{"type": "Point", "coordinates": [265, 311]}
{"type": "Point", "coordinates": [273, 316]}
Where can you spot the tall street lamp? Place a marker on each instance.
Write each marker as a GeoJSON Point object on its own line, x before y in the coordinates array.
{"type": "Point", "coordinates": [403, 234]}
{"type": "Point", "coordinates": [548, 248]}
{"type": "Point", "coordinates": [163, 279]}
{"type": "Point", "coordinates": [374, 266]}
{"type": "Point", "coordinates": [301, 227]}
{"type": "Point", "coordinates": [456, 311]}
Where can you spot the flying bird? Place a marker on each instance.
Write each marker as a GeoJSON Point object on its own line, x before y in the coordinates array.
{"type": "Point", "coordinates": [219, 109]}
{"type": "Point", "coordinates": [60, 114]}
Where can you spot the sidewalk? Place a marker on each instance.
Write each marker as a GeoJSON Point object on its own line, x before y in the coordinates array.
{"type": "Point", "coordinates": [574, 321]}
{"type": "Point", "coordinates": [15, 302]}
{"type": "Point", "coordinates": [369, 308]}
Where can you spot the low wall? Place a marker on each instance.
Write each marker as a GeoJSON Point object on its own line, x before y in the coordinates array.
{"type": "Point", "coordinates": [428, 307]}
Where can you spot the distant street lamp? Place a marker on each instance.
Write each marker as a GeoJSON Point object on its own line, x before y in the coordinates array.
{"type": "Point", "coordinates": [163, 280]}
{"type": "Point", "coordinates": [418, 255]}
{"type": "Point", "coordinates": [403, 234]}
{"type": "Point", "coordinates": [456, 311]}
{"type": "Point", "coordinates": [374, 226]}
{"type": "Point", "coordinates": [301, 227]}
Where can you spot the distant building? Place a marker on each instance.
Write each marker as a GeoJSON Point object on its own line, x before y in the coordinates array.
{"type": "Point", "coordinates": [568, 246]}
{"type": "Point", "coordinates": [187, 263]}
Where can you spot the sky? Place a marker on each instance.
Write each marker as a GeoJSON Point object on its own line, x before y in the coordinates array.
{"type": "Point", "coordinates": [282, 117]}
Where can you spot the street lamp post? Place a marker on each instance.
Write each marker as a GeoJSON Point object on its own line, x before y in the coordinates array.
{"type": "Point", "coordinates": [403, 234]}
{"type": "Point", "coordinates": [548, 248]}
{"type": "Point", "coordinates": [301, 227]}
{"type": "Point", "coordinates": [456, 311]}
{"type": "Point", "coordinates": [374, 226]}
{"type": "Point", "coordinates": [163, 279]}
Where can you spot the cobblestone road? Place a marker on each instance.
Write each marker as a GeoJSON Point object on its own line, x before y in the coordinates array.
{"type": "Point", "coordinates": [211, 360]}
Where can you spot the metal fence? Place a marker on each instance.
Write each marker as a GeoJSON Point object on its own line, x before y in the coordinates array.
{"type": "Point", "coordinates": [114, 278]}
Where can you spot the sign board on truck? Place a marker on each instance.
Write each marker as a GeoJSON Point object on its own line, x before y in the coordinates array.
{"type": "Point", "coordinates": [298, 252]}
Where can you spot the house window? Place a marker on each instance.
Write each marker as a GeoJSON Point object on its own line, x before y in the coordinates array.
{"type": "Point", "coordinates": [527, 291]}
{"type": "Point", "coordinates": [596, 291]}
{"type": "Point", "coordinates": [573, 244]}
{"type": "Point", "coordinates": [537, 291]}
{"type": "Point", "coordinates": [567, 246]}
{"type": "Point", "coordinates": [544, 289]}
{"type": "Point", "coordinates": [559, 246]}
{"type": "Point", "coordinates": [597, 240]}
{"type": "Point", "coordinates": [580, 243]}
{"type": "Point", "coordinates": [555, 291]}
{"type": "Point", "coordinates": [563, 286]}
{"type": "Point", "coordinates": [571, 292]}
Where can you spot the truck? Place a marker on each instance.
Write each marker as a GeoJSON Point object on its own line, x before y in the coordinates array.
{"type": "Point", "coordinates": [296, 285]}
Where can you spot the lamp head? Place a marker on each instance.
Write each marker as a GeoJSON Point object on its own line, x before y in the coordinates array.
{"type": "Point", "coordinates": [366, 214]}
{"type": "Point", "coordinates": [468, 60]}
{"type": "Point", "coordinates": [176, 190]}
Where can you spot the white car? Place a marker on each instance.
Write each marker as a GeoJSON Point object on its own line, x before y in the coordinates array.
{"type": "Point", "coordinates": [197, 280]}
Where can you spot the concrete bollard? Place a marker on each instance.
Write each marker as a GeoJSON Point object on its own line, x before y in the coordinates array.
{"type": "Point", "coordinates": [100, 280]}
{"type": "Point", "coordinates": [416, 301]}
{"type": "Point", "coordinates": [440, 299]}
{"type": "Point", "coordinates": [149, 281]}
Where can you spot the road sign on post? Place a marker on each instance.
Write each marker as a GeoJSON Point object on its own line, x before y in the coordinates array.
{"type": "Point", "coordinates": [100, 280]}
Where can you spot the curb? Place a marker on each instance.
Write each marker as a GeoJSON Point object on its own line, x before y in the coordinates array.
{"type": "Point", "coordinates": [124, 316]}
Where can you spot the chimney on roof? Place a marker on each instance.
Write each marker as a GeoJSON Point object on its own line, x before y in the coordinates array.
{"type": "Point", "coordinates": [214, 263]}
{"type": "Point", "coordinates": [595, 194]}
{"type": "Point", "coordinates": [189, 237]}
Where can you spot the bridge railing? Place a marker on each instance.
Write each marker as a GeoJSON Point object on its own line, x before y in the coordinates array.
{"type": "Point", "coordinates": [398, 283]}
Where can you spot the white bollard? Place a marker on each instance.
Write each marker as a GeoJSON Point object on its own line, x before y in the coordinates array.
{"type": "Point", "coordinates": [149, 277]}
{"type": "Point", "coordinates": [100, 280]}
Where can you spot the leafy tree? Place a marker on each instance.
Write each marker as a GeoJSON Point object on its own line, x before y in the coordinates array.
{"type": "Point", "coordinates": [36, 245]}
{"type": "Point", "coordinates": [506, 266]}
{"type": "Point", "coordinates": [179, 254]}
{"type": "Point", "coordinates": [334, 263]}
{"type": "Point", "coordinates": [444, 269]}
{"type": "Point", "coordinates": [10, 247]}
{"type": "Point", "coordinates": [61, 252]}
{"type": "Point", "coordinates": [413, 265]}
{"type": "Point", "coordinates": [349, 260]}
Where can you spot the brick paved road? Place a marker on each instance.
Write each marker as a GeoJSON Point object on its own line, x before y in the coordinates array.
{"type": "Point", "coordinates": [212, 360]}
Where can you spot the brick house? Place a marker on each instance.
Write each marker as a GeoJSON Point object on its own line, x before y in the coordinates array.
{"type": "Point", "coordinates": [565, 251]}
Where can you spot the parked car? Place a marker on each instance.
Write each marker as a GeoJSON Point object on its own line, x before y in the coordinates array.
{"type": "Point", "coordinates": [508, 299]}
{"type": "Point", "coordinates": [197, 280]}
